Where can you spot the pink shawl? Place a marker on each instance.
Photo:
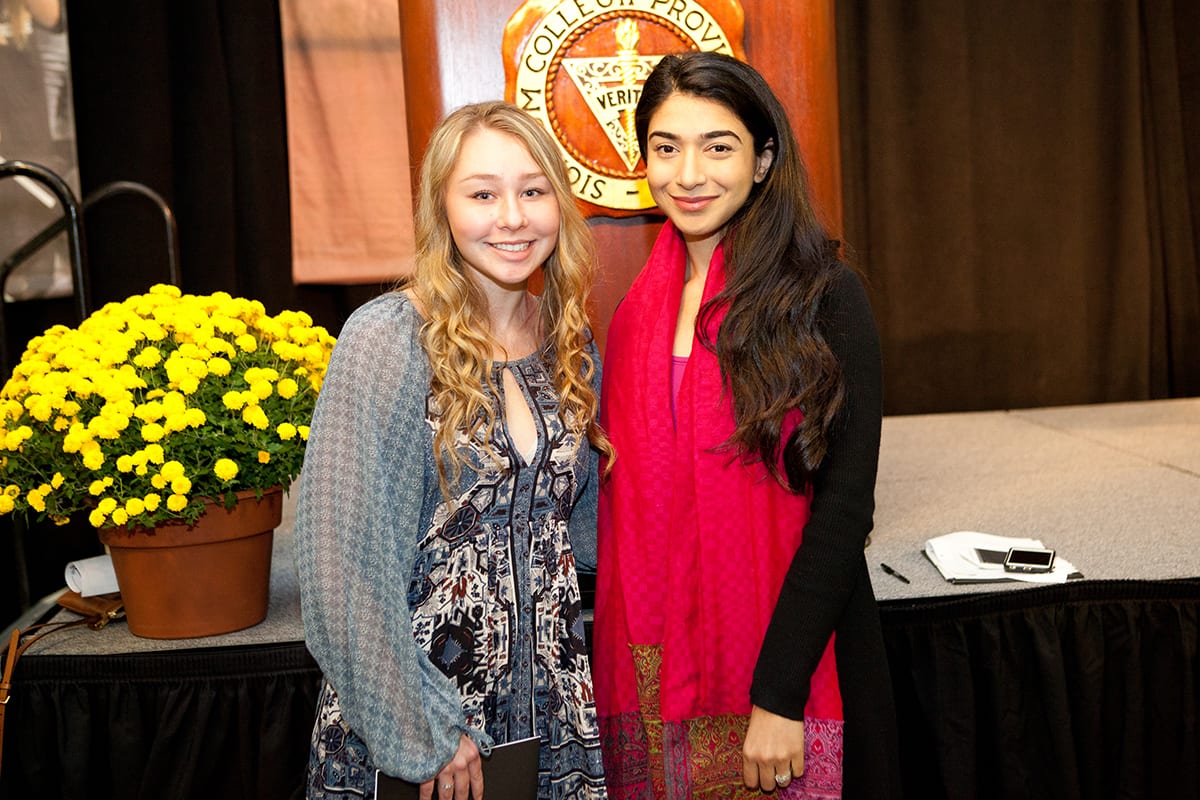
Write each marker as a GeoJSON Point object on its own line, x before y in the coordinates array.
{"type": "Point", "coordinates": [693, 544]}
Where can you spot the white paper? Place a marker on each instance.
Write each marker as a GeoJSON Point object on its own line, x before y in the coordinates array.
{"type": "Point", "coordinates": [955, 556]}
{"type": "Point", "coordinates": [92, 576]}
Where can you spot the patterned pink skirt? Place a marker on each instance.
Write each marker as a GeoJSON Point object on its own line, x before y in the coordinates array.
{"type": "Point", "coordinates": [646, 758]}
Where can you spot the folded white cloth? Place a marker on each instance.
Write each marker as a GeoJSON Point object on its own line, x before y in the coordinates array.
{"type": "Point", "coordinates": [91, 576]}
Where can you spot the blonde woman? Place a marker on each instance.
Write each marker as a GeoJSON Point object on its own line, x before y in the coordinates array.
{"type": "Point", "coordinates": [449, 486]}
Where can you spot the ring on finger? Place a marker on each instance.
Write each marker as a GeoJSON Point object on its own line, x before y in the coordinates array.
{"type": "Point", "coordinates": [447, 786]}
{"type": "Point", "coordinates": [782, 780]}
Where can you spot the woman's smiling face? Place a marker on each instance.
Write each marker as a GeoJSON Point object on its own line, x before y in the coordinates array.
{"type": "Point", "coordinates": [501, 209]}
{"type": "Point", "coordinates": [700, 164]}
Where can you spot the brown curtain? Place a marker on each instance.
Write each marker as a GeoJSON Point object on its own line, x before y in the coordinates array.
{"type": "Point", "coordinates": [348, 160]}
{"type": "Point", "coordinates": [1019, 193]}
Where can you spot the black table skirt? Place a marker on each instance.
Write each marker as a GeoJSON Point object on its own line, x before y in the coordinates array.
{"type": "Point", "coordinates": [1088, 690]}
{"type": "Point", "coordinates": [226, 723]}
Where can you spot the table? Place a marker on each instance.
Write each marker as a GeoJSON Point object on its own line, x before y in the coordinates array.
{"type": "Point", "coordinates": [1085, 690]}
{"type": "Point", "coordinates": [1090, 689]}
{"type": "Point", "coordinates": [105, 714]}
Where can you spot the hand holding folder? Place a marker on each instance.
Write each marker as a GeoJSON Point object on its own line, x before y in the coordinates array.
{"type": "Point", "coordinates": [510, 772]}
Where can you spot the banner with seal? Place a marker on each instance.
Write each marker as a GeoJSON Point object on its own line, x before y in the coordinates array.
{"type": "Point", "coordinates": [578, 66]}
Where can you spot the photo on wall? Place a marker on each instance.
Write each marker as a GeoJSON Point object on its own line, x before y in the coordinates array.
{"type": "Point", "coordinates": [36, 126]}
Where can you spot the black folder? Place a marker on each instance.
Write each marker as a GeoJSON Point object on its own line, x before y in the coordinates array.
{"type": "Point", "coordinates": [509, 773]}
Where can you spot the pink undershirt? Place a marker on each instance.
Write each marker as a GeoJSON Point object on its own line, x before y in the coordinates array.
{"type": "Point", "coordinates": [678, 363]}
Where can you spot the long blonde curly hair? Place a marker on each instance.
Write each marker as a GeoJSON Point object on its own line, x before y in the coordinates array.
{"type": "Point", "coordinates": [456, 333]}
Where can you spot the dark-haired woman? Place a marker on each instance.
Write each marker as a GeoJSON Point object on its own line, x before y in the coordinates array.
{"type": "Point", "coordinates": [738, 648]}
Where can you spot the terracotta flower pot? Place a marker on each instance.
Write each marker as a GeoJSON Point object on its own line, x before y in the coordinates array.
{"type": "Point", "coordinates": [181, 581]}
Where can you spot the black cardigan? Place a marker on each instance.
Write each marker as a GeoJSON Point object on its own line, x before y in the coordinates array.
{"type": "Point", "coordinates": [827, 588]}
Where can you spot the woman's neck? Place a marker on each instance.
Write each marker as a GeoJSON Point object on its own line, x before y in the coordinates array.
{"type": "Point", "coordinates": [514, 325]}
{"type": "Point", "coordinates": [700, 253]}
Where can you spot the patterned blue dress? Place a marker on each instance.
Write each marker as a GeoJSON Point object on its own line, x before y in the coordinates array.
{"type": "Point", "coordinates": [495, 604]}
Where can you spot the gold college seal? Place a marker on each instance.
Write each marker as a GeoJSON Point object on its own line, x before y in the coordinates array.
{"type": "Point", "coordinates": [578, 66]}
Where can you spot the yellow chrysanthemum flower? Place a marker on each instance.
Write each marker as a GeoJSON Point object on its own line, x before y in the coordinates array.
{"type": "Point", "coordinates": [149, 412]}
{"type": "Point", "coordinates": [176, 422]}
{"type": "Point", "coordinates": [172, 470]}
{"type": "Point", "coordinates": [219, 366]}
{"type": "Point", "coordinates": [42, 410]}
{"type": "Point", "coordinates": [103, 428]}
{"type": "Point", "coordinates": [229, 324]}
{"type": "Point", "coordinates": [225, 469]}
{"type": "Point", "coordinates": [233, 400]}
{"type": "Point", "coordinates": [255, 416]}
{"type": "Point", "coordinates": [173, 403]}
{"type": "Point", "coordinates": [149, 357]}
{"type": "Point", "coordinates": [288, 351]}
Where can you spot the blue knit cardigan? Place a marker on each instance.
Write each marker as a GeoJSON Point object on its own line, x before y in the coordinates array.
{"type": "Point", "coordinates": [368, 490]}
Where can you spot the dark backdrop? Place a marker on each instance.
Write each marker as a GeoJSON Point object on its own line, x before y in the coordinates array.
{"type": "Point", "coordinates": [1022, 187]}
{"type": "Point", "coordinates": [1022, 190]}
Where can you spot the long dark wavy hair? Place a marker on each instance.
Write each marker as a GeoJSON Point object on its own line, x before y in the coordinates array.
{"type": "Point", "coordinates": [779, 262]}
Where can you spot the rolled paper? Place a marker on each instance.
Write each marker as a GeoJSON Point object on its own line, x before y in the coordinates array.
{"type": "Point", "coordinates": [92, 576]}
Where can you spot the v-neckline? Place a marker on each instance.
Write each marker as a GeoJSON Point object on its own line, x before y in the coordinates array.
{"type": "Point", "coordinates": [522, 387]}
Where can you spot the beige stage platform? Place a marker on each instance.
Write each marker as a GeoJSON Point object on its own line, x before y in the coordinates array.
{"type": "Point", "coordinates": [1114, 488]}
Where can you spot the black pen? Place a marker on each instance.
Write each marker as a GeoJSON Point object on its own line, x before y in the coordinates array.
{"type": "Point", "coordinates": [893, 573]}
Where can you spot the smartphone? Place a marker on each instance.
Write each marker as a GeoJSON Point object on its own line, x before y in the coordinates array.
{"type": "Point", "coordinates": [1026, 559]}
